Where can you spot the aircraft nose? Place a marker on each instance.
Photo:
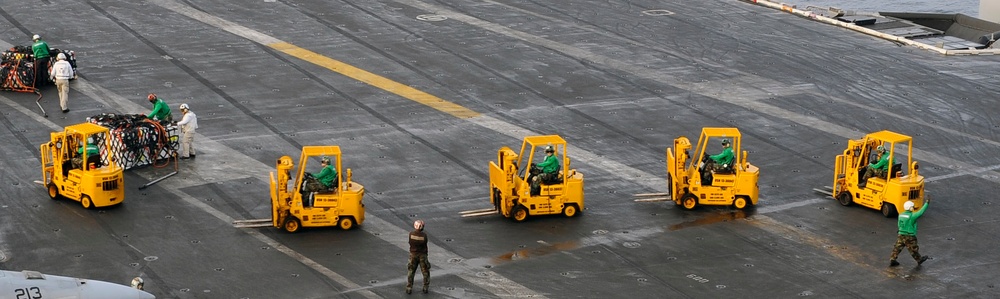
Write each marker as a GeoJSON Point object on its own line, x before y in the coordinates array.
{"type": "Point", "coordinates": [107, 290]}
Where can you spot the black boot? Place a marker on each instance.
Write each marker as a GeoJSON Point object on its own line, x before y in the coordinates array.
{"type": "Point", "coordinates": [893, 263]}
{"type": "Point", "coordinates": [922, 260]}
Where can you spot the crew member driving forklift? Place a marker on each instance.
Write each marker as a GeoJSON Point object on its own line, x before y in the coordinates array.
{"type": "Point", "coordinates": [549, 168]}
{"type": "Point", "coordinates": [92, 155]}
{"type": "Point", "coordinates": [325, 180]}
{"type": "Point", "coordinates": [724, 159]}
{"type": "Point", "coordinates": [877, 169]}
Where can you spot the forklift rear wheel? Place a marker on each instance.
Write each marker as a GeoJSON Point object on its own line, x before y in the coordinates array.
{"type": "Point", "coordinates": [689, 201]}
{"type": "Point", "coordinates": [85, 201]}
{"type": "Point", "coordinates": [740, 202]}
{"type": "Point", "coordinates": [520, 214]}
{"type": "Point", "coordinates": [845, 198]}
{"type": "Point", "coordinates": [346, 223]}
{"type": "Point", "coordinates": [888, 210]}
{"type": "Point", "coordinates": [570, 210]}
{"type": "Point", "coordinates": [53, 191]}
{"type": "Point", "coordinates": [292, 225]}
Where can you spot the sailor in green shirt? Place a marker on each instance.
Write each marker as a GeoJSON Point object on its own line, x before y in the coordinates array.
{"type": "Point", "coordinates": [93, 155]}
{"type": "Point", "coordinates": [879, 168]}
{"type": "Point", "coordinates": [724, 159]}
{"type": "Point", "coordinates": [325, 180]}
{"type": "Point", "coordinates": [549, 168]}
{"type": "Point", "coordinates": [160, 109]}
{"type": "Point", "coordinates": [40, 50]}
{"type": "Point", "coordinates": [328, 175]}
{"type": "Point", "coordinates": [908, 233]}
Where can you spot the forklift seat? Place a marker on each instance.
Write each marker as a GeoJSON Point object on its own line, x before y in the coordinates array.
{"type": "Point", "coordinates": [895, 169]}
{"type": "Point", "coordinates": [555, 179]}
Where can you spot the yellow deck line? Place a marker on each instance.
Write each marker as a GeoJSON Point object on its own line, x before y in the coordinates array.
{"type": "Point", "coordinates": [383, 83]}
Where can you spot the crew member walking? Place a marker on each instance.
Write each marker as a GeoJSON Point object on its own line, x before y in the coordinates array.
{"type": "Point", "coordinates": [908, 233]}
{"type": "Point", "coordinates": [62, 71]}
{"type": "Point", "coordinates": [188, 124]}
{"type": "Point", "coordinates": [418, 256]}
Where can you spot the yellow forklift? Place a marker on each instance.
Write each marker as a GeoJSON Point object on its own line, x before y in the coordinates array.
{"type": "Point", "coordinates": [700, 181]}
{"type": "Point", "coordinates": [77, 164]}
{"type": "Point", "coordinates": [294, 208]}
{"type": "Point", "coordinates": [887, 192]}
{"type": "Point", "coordinates": [512, 192]}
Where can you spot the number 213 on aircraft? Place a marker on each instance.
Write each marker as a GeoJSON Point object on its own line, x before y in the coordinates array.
{"type": "Point", "coordinates": [28, 293]}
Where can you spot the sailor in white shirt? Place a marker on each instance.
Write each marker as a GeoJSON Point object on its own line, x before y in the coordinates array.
{"type": "Point", "coordinates": [187, 124]}
{"type": "Point", "coordinates": [61, 72]}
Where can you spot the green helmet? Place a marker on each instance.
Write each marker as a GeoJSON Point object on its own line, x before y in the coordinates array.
{"type": "Point", "coordinates": [725, 141]}
{"type": "Point", "coordinates": [550, 149]}
{"type": "Point", "coordinates": [880, 149]}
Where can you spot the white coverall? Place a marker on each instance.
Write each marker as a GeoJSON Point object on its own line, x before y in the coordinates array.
{"type": "Point", "coordinates": [62, 71]}
{"type": "Point", "coordinates": [188, 124]}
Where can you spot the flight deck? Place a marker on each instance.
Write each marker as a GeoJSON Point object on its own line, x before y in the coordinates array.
{"type": "Point", "coordinates": [420, 95]}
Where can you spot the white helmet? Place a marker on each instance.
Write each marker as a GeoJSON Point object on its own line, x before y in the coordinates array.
{"type": "Point", "coordinates": [137, 283]}
{"type": "Point", "coordinates": [908, 205]}
{"type": "Point", "coordinates": [61, 56]}
{"type": "Point", "coordinates": [185, 107]}
{"type": "Point", "coordinates": [36, 37]}
{"type": "Point", "coordinates": [419, 224]}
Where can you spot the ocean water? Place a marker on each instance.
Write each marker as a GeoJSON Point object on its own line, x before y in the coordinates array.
{"type": "Point", "coordinates": [967, 7]}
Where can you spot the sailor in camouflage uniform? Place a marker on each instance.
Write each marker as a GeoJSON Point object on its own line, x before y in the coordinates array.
{"type": "Point", "coordinates": [908, 234]}
{"type": "Point", "coordinates": [418, 256]}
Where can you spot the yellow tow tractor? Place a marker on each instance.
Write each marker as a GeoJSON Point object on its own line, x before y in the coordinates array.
{"type": "Point", "coordinates": [292, 209]}
{"type": "Point", "coordinates": [511, 192]}
{"type": "Point", "coordinates": [693, 182]}
{"type": "Point", "coordinates": [77, 164]}
{"type": "Point", "coordinates": [886, 192]}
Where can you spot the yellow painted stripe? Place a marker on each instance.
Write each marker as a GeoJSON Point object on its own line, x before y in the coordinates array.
{"type": "Point", "coordinates": [383, 83]}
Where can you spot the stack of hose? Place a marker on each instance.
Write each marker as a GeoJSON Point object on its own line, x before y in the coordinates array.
{"type": "Point", "coordinates": [139, 141]}
{"type": "Point", "coordinates": [17, 68]}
